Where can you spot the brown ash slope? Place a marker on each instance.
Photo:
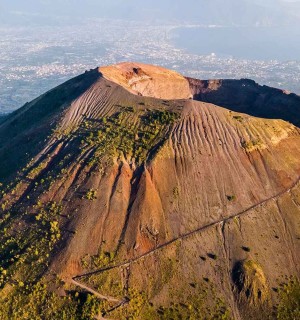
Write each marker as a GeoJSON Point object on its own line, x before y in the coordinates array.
{"type": "Point", "coordinates": [133, 181]}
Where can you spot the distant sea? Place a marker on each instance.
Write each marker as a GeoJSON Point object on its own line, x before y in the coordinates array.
{"type": "Point", "coordinates": [256, 43]}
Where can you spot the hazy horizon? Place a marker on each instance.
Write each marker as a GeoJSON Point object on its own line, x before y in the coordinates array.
{"type": "Point", "coordinates": [44, 43]}
{"type": "Point", "coordinates": [230, 12]}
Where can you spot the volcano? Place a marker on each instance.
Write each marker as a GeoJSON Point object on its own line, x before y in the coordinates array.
{"type": "Point", "coordinates": [133, 192]}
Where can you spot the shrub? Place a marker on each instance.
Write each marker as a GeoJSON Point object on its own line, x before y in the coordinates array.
{"type": "Point", "coordinates": [289, 305]}
{"type": "Point", "coordinates": [91, 194]}
{"type": "Point", "coordinates": [231, 197]}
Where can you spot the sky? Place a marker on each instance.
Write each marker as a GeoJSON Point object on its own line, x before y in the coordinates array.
{"type": "Point", "coordinates": [225, 12]}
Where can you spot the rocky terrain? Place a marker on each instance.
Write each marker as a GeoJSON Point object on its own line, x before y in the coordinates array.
{"type": "Point", "coordinates": [132, 192]}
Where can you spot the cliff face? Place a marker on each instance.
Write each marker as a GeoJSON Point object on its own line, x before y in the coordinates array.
{"type": "Point", "coordinates": [246, 96]}
{"type": "Point", "coordinates": [143, 208]}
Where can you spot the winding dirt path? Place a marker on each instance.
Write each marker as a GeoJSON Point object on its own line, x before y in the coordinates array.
{"type": "Point", "coordinates": [119, 303]}
{"type": "Point", "coordinates": [94, 292]}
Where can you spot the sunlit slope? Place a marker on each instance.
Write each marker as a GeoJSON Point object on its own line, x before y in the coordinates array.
{"type": "Point", "coordinates": [148, 80]}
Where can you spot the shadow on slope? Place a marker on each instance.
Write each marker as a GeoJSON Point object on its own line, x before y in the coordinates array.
{"type": "Point", "coordinates": [24, 132]}
{"type": "Point", "coordinates": [246, 96]}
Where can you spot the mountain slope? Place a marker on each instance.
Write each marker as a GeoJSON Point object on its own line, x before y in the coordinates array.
{"type": "Point", "coordinates": [146, 203]}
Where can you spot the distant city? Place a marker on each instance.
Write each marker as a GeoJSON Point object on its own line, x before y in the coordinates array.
{"type": "Point", "coordinates": [34, 60]}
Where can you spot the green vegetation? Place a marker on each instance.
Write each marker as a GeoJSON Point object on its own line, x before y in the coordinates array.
{"type": "Point", "coordinates": [289, 301]}
{"type": "Point", "coordinates": [238, 118]}
{"type": "Point", "coordinates": [25, 254]}
{"type": "Point", "coordinates": [123, 134]}
{"type": "Point", "coordinates": [26, 246]}
{"type": "Point", "coordinates": [193, 310]}
{"type": "Point", "coordinates": [27, 243]}
{"type": "Point", "coordinates": [91, 194]}
{"type": "Point", "coordinates": [176, 192]}
{"type": "Point", "coordinates": [34, 172]}
{"type": "Point", "coordinates": [251, 145]}
{"type": "Point", "coordinates": [37, 302]}
{"type": "Point", "coordinates": [165, 272]}
{"type": "Point", "coordinates": [194, 306]}
{"type": "Point", "coordinates": [44, 175]}
{"type": "Point", "coordinates": [251, 282]}
{"type": "Point", "coordinates": [108, 283]}
{"type": "Point", "coordinates": [101, 260]}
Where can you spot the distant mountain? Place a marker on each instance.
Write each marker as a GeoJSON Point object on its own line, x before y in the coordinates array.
{"type": "Point", "coordinates": [231, 12]}
{"type": "Point", "coordinates": [133, 192]}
